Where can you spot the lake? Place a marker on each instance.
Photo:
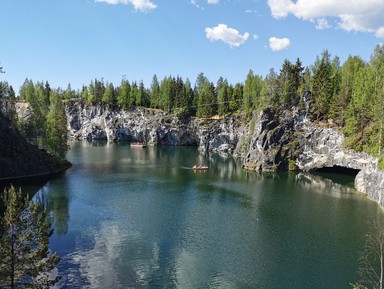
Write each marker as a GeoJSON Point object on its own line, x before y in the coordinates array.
{"type": "Point", "coordinates": [128, 217]}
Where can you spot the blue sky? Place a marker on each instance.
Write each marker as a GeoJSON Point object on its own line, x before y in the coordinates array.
{"type": "Point", "coordinates": [74, 41]}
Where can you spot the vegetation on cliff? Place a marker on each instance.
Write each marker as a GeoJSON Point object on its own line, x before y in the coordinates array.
{"type": "Point", "coordinates": [349, 96]}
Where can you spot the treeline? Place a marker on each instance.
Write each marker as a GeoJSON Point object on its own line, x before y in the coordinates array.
{"type": "Point", "coordinates": [47, 124]}
{"type": "Point", "coordinates": [349, 96]}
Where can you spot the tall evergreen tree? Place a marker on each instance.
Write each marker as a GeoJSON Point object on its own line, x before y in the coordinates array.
{"type": "Point", "coordinates": [99, 90]}
{"type": "Point", "coordinates": [340, 101]}
{"type": "Point", "coordinates": [155, 92]}
{"type": "Point", "coordinates": [322, 87]}
{"type": "Point", "coordinates": [270, 89]}
{"type": "Point", "coordinates": [133, 94]}
{"type": "Point", "coordinates": [289, 81]}
{"type": "Point", "coordinates": [236, 97]}
{"type": "Point", "coordinates": [57, 133]}
{"type": "Point", "coordinates": [207, 105]}
{"type": "Point", "coordinates": [25, 259]}
{"type": "Point", "coordinates": [377, 64]}
{"type": "Point", "coordinates": [223, 96]}
{"type": "Point", "coordinates": [123, 94]}
{"type": "Point", "coordinates": [109, 95]}
{"type": "Point", "coordinates": [167, 94]}
{"type": "Point", "coordinates": [84, 93]}
{"type": "Point", "coordinates": [91, 93]}
{"type": "Point", "coordinates": [12, 114]}
{"type": "Point", "coordinates": [360, 111]}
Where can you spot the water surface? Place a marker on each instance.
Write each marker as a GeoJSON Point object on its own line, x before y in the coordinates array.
{"type": "Point", "coordinates": [141, 218]}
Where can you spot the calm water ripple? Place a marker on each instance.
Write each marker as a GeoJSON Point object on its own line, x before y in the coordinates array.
{"type": "Point", "coordinates": [141, 218]}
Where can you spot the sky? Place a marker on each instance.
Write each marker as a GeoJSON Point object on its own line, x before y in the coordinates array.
{"type": "Point", "coordinates": [75, 41]}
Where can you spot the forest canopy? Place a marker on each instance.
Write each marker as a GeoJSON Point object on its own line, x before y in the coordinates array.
{"type": "Point", "coordinates": [349, 96]}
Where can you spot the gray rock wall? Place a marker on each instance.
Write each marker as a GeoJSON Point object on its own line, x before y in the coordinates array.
{"type": "Point", "coordinates": [267, 142]}
{"type": "Point", "coordinates": [151, 126]}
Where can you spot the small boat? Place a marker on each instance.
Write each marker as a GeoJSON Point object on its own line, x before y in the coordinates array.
{"type": "Point", "coordinates": [200, 167]}
{"type": "Point", "coordinates": [138, 144]}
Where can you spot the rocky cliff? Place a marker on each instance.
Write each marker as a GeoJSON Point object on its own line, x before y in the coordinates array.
{"type": "Point", "coordinates": [269, 141]}
{"type": "Point", "coordinates": [152, 126]}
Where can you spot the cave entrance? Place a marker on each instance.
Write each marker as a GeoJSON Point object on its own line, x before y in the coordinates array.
{"type": "Point", "coordinates": [339, 170]}
{"type": "Point", "coordinates": [340, 175]}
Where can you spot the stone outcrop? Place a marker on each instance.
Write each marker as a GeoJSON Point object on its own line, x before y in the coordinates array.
{"type": "Point", "coordinates": [151, 126]}
{"type": "Point", "coordinates": [323, 147]}
{"type": "Point", "coordinates": [269, 141]}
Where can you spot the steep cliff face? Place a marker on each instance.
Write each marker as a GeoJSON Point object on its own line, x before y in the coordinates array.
{"type": "Point", "coordinates": [151, 126]}
{"type": "Point", "coordinates": [270, 141]}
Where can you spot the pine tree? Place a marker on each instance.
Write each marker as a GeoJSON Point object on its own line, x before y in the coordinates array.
{"type": "Point", "coordinates": [133, 94]}
{"type": "Point", "coordinates": [340, 101]}
{"type": "Point", "coordinates": [91, 94]}
{"type": "Point", "coordinates": [12, 114]}
{"type": "Point", "coordinates": [155, 92]}
{"type": "Point", "coordinates": [25, 259]}
{"type": "Point", "coordinates": [236, 97]}
{"type": "Point", "coordinates": [123, 94]}
{"type": "Point", "coordinates": [57, 133]}
{"type": "Point", "coordinates": [109, 95]}
{"type": "Point", "coordinates": [207, 105]}
{"type": "Point", "coordinates": [223, 96]}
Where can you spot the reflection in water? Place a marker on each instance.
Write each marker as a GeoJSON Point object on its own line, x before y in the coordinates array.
{"type": "Point", "coordinates": [141, 218]}
{"type": "Point", "coordinates": [325, 186]}
{"type": "Point", "coordinates": [56, 199]}
{"type": "Point", "coordinates": [118, 259]}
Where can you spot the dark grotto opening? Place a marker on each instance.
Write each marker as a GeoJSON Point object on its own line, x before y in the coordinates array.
{"type": "Point", "coordinates": [338, 170]}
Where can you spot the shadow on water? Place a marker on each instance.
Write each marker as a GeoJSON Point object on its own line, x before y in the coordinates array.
{"type": "Point", "coordinates": [340, 175]}
{"type": "Point", "coordinates": [129, 217]}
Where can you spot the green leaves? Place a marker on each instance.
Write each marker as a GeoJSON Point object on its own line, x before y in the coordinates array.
{"type": "Point", "coordinates": [25, 260]}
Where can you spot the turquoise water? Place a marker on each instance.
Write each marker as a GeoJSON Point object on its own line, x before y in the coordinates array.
{"type": "Point", "coordinates": [141, 218]}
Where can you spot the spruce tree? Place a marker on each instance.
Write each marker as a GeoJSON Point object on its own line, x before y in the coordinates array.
{"type": "Point", "coordinates": [57, 133]}
{"type": "Point", "coordinates": [155, 92]}
{"type": "Point", "coordinates": [123, 94]}
{"type": "Point", "coordinates": [25, 259]}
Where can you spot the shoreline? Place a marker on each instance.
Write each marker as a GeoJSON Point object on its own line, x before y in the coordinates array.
{"type": "Point", "coordinates": [34, 179]}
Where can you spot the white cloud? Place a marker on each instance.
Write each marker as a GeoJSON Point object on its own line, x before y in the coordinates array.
{"type": "Point", "coordinates": [322, 23]}
{"type": "Point", "coordinates": [194, 3]}
{"type": "Point", "coordinates": [141, 5]}
{"type": "Point", "coordinates": [255, 36]}
{"type": "Point", "coordinates": [213, 1]}
{"type": "Point", "coordinates": [228, 35]}
{"type": "Point", "coordinates": [352, 15]}
{"type": "Point", "coordinates": [277, 44]}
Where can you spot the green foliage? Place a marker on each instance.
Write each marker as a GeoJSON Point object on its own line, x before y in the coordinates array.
{"type": "Point", "coordinates": [292, 165]}
{"type": "Point", "coordinates": [289, 81]}
{"type": "Point", "coordinates": [223, 94]}
{"type": "Point", "coordinates": [351, 94]}
{"type": "Point", "coordinates": [109, 95]}
{"type": "Point", "coordinates": [155, 92]}
{"type": "Point", "coordinates": [322, 87]}
{"type": "Point", "coordinates": [56, 128]}
{"type": "Point", "coordinates": [25, 259]}
{"type": "Point", "coordinates": [251, 92]}
{"type": "Point", "coordinates": [123, 94]}
{"type": "Point", "coordinates": [207, 101]}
